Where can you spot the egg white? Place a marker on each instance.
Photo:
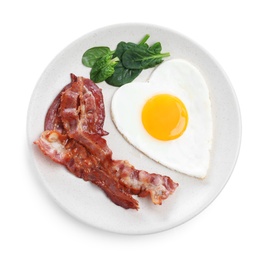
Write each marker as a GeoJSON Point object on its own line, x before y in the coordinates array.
{"type": "Point", "coordinates": [188, 154]}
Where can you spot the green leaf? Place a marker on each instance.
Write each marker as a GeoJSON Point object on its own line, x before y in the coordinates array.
{"type": "Point", "coordinates": [122, 47]}
{"type": "Point", "coordinates": [141, 58]}
{"type": "Point", "coordinates": [103, 68]}
{"type": "Point", "coordinates": [155, 48]}
{"type": "Point", "coordinates": [122, 75]}
{"type": "Point", "coordinates": [92, 55]}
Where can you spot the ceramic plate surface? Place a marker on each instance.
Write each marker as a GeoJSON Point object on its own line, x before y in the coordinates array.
{"type": "Point", "coordinates": [87, 202]}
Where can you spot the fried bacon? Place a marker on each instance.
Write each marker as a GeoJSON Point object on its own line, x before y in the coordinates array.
{"type": "Point", "coordinates": [90, 114]}
{"type": "Point", "coordinates": [73, 137]}
{"type": "Point", "coordinates": [79, 161]}
{"type": "Point", "coordinates": [82, 107]}
{"type": "Point", "coordinates": [142, 183]}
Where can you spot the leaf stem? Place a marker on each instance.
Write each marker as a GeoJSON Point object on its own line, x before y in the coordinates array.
{"type": "Point", "coordinates": [115, 60]}
{"type": "Point", "coordinates": [166, 54]}
{"type": "Point", "coordinates": [145, 38]}
{"type": "Point", "coordinates": [156, 56]}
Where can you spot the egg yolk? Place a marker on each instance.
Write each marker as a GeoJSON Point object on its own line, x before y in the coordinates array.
{"type": "Point", "coordinates": [165, 117]}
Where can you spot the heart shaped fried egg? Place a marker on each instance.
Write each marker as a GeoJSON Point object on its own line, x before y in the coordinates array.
{"type": "Point", "coordinates": [169, 117]}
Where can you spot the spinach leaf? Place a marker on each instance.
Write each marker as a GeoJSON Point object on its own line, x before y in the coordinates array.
{"type": "Point", "coordinates": [103, 68]}
{"type": "Point", "coordinates": [141, 58]}
{"type": "Point", "coordinates": [92, 55]}
{"type": "Point", "coordinates": [122, 47]}
{"type": "Point", "coordinates": [155, 48]}
{"type": "Point", "coordinates": [122, 75]}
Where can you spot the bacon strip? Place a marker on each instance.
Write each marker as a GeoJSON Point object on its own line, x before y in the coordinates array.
{"type": "Point", "coordinates": [142, 183]}
{"type": "Point", "coordinates": [77, 159]}
{"type": "Point", "coordinates": [90, 97]}
{"type": "Point", "coordinates": [139, 182]}
{"type": "Point", "coordinates": [78, 113]}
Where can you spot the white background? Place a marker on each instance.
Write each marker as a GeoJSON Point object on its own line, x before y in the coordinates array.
{"type": "Point", "coordinates": [235, 226]}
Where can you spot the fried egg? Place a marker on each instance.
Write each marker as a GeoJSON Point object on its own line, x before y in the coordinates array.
{"type": "Point", "coordinates": [168, 118]}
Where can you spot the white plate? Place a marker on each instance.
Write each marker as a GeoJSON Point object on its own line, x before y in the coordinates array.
{"type": "Point", "coordinates": [88, 203]}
